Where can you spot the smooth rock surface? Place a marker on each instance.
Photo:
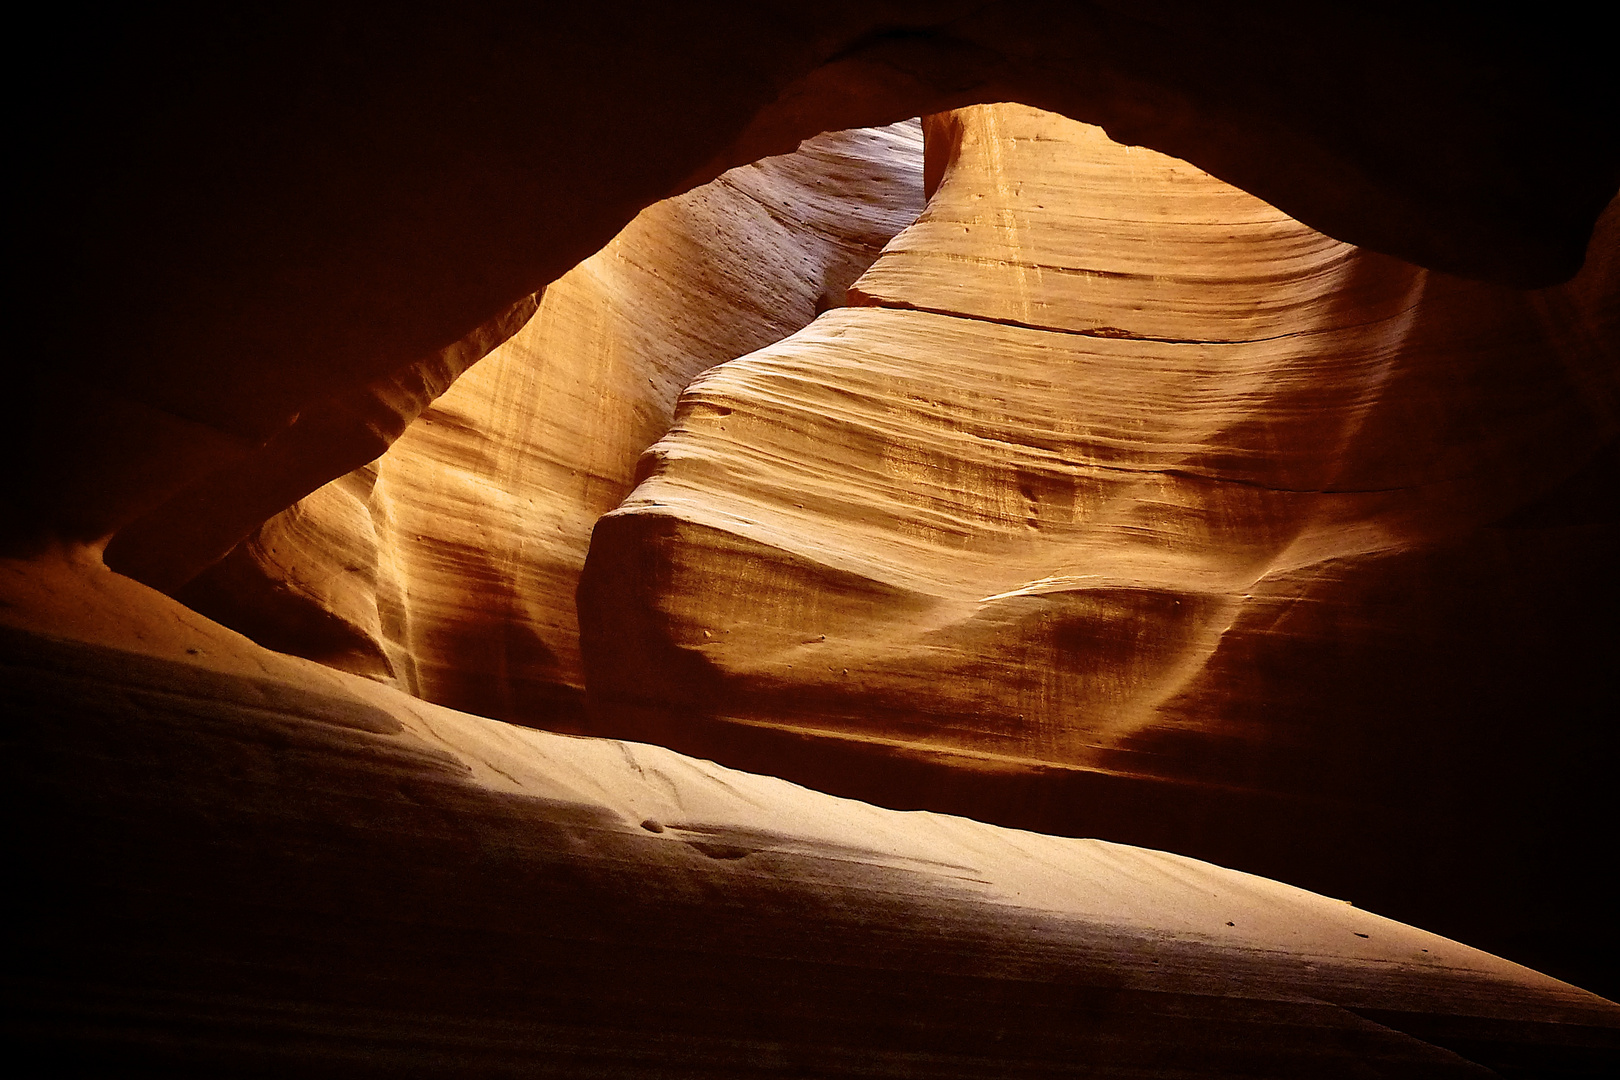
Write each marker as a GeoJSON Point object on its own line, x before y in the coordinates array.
{"type": "Point", "coordinates": [244, 862]}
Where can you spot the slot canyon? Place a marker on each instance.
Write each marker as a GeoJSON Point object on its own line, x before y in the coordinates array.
{"type": "Point", "coordinates": [889, 539]}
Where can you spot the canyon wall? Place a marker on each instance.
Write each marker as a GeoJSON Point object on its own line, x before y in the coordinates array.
{"type": "Point", "coordinates": [1273, 531]}
{"type": "Point", "coordinates": [449, 565]}
{"type": "Point", "coordinates": [1118, 503]}
{"type": "Point", "coordinates": [1123, 504]}
{"type": "Point", "coordinates": [1094, 411]}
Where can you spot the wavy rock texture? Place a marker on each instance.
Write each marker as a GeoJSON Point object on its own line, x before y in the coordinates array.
{"type": "Point", "coordinates": [450, 564]}
{"type": "Point", "coordinates": [1123, 477]}
{"type": "Point", "coordinates": [279, 869]}
{"type": "Point", "coordinates": [1373, 650]}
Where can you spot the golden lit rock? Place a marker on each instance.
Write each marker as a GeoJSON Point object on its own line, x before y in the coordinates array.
{"type": "Point", "coordinates": [450, 565]}
{"type": "Point", "coordinates": [1128, 506]}
{"type": "Point", "coordinates": [1099, 409]}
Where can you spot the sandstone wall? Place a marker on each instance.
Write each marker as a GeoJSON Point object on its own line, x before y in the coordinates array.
{"type": "Point", "coordinates": [1340, 616]}
{"type": "Point", "coordinates": [449, 565]}
{"type": "Point", "coordinates": [1127, 505]}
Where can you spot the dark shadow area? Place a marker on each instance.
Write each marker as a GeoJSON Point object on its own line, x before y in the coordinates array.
{"type": "Point", "coordinates": [221, 887]}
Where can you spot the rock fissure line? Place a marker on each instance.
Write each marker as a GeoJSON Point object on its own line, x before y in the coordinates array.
{"type": "Point", "coordinates": [1115, 333]}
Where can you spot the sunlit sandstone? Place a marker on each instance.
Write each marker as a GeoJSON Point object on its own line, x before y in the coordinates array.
{"type": "Point", "coordinates": [1097, 411]}
{"type": "Point", "coordinates": [1126, 505]}
{"type": "Point", "coordinates": [449, 565]}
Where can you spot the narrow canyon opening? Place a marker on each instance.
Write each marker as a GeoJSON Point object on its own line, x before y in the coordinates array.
{"type": "Point", "coordinates": [1116, 586]}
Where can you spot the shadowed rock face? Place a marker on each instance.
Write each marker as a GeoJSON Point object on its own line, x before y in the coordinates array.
{"type": "Point", "coordinates": [236, 218]}
{"type": "Point", "coordinates": [258, 866]}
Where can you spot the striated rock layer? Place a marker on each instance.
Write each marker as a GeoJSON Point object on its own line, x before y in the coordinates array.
{"type": "Point", "coordinates": [1128, 506]}
{"type": "Point", "coordinates": [449, 565]}
{"type": "Point", "coordinates": [279, 869]}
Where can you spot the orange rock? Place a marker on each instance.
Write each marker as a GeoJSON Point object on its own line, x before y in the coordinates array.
{"type": "Point", "coordinates": [1330, 602]}
{"type": "Point", "coordinates": [1097, 402]}
{"type": "Point", "coordinates": [450, 564]}
{"type": "Point", "coordinates": [1125, 481]}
